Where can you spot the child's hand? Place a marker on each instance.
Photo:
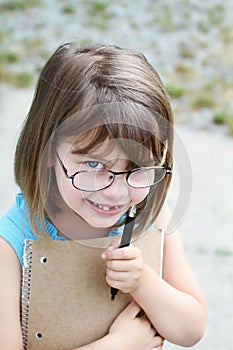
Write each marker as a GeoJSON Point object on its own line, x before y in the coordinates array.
{"type": "Point", "coordinates": [124, 267]}
{"type": "Point", "coordinates": [133, 333]}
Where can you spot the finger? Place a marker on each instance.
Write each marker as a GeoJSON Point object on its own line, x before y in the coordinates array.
{"type": "Point", "coordinates": [126, 253]}
{"type": "Point", "coordinates": [113, 246]}
{"type": "Point", "coordinates": [121, 285]}
{"type": "Point", "coordinates": [158, 340]}
{"type": "Point", "coordinates": [115, 243]}
{"type": "Point", "coordinates": [124, 265]}
{"type": "Point", "coordinates": [105, 254]}
{"type": "Point", "coordinates": [120, 276]}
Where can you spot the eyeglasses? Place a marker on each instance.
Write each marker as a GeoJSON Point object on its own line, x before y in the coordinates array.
{"type": "Point", "coordinates": [96, 180]}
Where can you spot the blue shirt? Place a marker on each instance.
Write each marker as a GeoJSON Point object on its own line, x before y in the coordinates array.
{"type": "Point", "coordinates": [15, 227]}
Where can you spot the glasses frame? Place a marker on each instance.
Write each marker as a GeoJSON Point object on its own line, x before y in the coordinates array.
{"type": "Point", "coordinates": [168, 170]}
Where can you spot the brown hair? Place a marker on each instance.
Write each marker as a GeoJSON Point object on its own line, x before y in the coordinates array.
{"type": "Point", "coordinates": [114, 91]}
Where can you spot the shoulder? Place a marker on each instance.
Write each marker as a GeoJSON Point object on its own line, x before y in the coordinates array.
{"type": "Point", "coordinates": [14, 226]}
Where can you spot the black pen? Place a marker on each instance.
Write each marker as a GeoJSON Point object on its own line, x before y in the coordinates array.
{"type": "Point", "coordinates": [126, 237]}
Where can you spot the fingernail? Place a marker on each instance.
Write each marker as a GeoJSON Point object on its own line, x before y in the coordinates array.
{"type": "Point", "coordinates": [103, 255]}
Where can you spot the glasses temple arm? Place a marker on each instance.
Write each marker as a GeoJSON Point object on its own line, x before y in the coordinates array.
{"type": "Point", "coordinates": [62, 165]}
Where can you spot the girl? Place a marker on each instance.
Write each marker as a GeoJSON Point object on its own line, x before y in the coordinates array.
{"type": "Point", "coordinates": [98, 140]}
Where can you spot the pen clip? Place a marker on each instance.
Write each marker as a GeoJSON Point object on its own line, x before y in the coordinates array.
{"type": "Point", "coordinates": [132, 211]}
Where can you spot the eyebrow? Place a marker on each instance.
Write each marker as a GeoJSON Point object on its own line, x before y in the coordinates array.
{"type": "Point", "coordinates": [96, 156]}
{"type": "Point", "coordinates": [96, 152]}
{"type": "Point", "coordinates": [89, 155]}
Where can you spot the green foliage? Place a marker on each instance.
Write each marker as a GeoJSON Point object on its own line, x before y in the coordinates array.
{"type": "Point", "coordinates": [32, 44]}
{"type": "Point", "coordinates": [224, 118]}
{"type": "Point", "coordinates": [175, 91]}
{"type": "Point", "coordinates": [23, 79]}
{"type": "Point", "coordinates": [203, 26]}
{"type": "Point", "coordinates": [226, 34]}
{"type": "Point", "coordinates": [203, 102]}
{"type": "Point", "coordinates": [18, 5]}
{"type": "Point", "coordinates": [230, 124]}
{"type": "Point", "coordinates": [220, 118]}
{"type": "Point", "coordinates": [185, 70]}
{"type": "Point", "coordinates": [8, 57]}
{"type": "Point", "coordinates": [186, 50]}
{"type": "Point", "coordinates": [98, 7]}
{"type": "Point", "coordinates": [86, 42]}
{"type": "Point", "coordinates": [223, 252]}
{"type": "Point", "coordinates": [68, 9]}
{"type": "Point", "coordinates": [162, 18]}
{"type": "Point", "coordinates": [216, 14]}
{"type": "Point", "coordinates": [98, 14]}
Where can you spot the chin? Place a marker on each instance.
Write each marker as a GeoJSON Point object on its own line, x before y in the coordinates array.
{"type": "Point", "coordinates": [102, 223]}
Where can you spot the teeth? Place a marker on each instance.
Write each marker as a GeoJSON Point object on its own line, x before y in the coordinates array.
{"type": "Point", "coordinates": [105, 207]}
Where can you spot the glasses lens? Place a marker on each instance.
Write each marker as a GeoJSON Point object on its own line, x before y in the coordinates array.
{"type": "Point", "coordinates": [146, 177]}
{"type": "Point", "coordinates": [92, 180]}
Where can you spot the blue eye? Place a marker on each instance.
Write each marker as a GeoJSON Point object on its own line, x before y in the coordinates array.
{"type": "Point", "coordinates": [95, 165]}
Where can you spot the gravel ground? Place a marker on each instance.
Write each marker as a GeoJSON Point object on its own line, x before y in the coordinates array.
{"type": "Point", "coordinates": [190, 42]}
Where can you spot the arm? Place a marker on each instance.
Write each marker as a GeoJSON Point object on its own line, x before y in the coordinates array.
{"type": "Point", "coordinates": [128, 332]}
{"type": "Point", "coordinates": [175, 304]}
{"type": "Point", "coordinates": [10, 281]}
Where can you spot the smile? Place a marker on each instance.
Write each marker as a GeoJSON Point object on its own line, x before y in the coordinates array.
{"type": "Point", "coordinates": [105, 208]}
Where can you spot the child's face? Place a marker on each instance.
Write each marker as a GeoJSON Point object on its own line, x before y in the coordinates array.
{"type": "Point", "coordinates": [101, 208]}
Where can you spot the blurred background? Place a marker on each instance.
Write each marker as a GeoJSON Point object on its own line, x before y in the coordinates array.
{"type": "Point", "coordinates": [190, 43]}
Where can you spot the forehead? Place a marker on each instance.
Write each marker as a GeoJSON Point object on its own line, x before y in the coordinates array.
{"type": "Point", "coordinates": [107, 149]}
{"type": "Point", "coordinates": [114, 121]}
{"type": "Point", "coordinates": [138, 143]}
{"type": "Point", "coordinates": [136, 129]}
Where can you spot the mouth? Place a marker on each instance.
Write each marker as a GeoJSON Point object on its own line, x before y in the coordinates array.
{"type": "Point", "coordinates": [105, 209]}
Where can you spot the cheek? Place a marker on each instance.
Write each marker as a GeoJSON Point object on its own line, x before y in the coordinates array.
{"type": "Point", "coordinates": [71, 197]}
{"type": "Point", "coordinates": [139, 194]}
{"type": "Point", "coordinates": [67, 191]}
{"type": "Point", "coordinates": [62, 183]}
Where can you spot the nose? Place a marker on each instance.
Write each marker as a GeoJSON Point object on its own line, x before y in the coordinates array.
{"type": "Point", "coordinates": [118, 189]}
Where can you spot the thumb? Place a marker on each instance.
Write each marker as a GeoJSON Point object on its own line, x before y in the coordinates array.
{"type": "Point", "coordinates": [115, 243]}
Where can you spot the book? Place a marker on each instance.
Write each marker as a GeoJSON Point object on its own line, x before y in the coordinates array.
{"type": "Point", "coordinates": [65, 300]}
